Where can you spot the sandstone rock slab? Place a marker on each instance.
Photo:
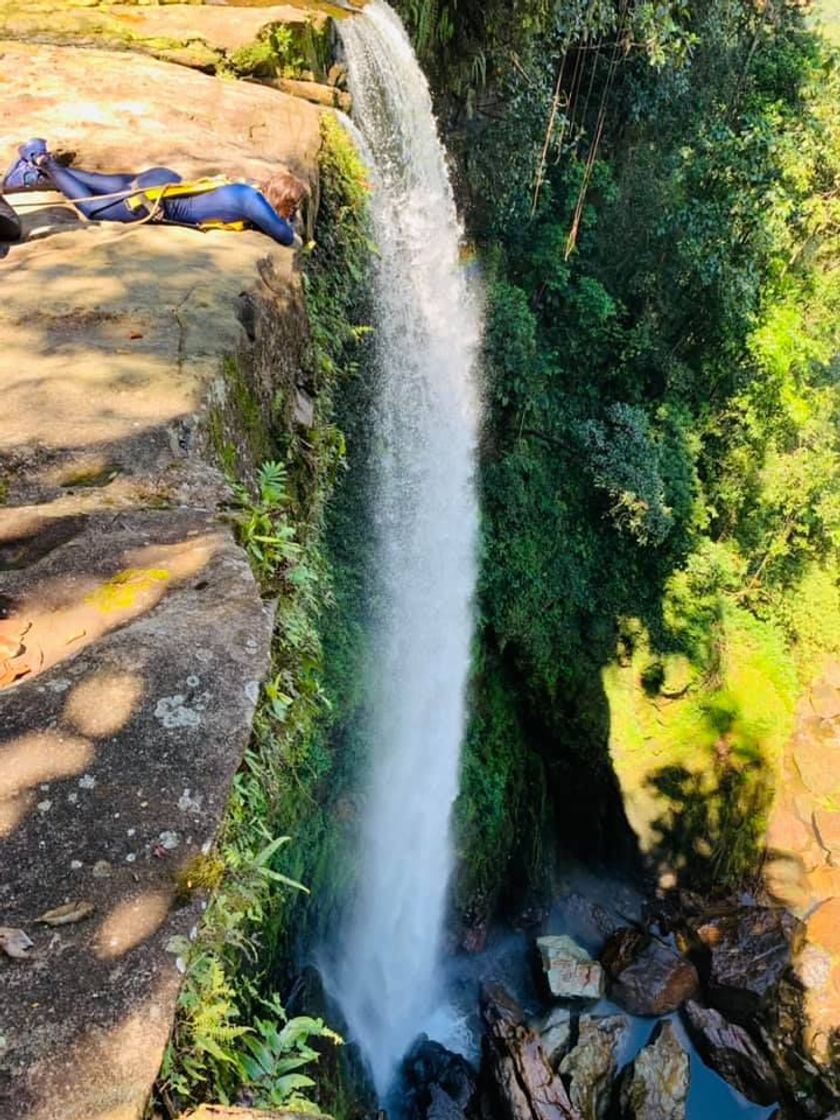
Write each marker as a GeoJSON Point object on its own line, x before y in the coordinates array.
{"type": "Point", "coordinates": [109, 108]}
{"type": "Point", "coordinates": [128, 744]}
{"type": "Point", "coordinates": [819, 767]}
{"type": "Point", "coordinates": [192, 35]}
{"type": "Point", "coordinates": [827, 828]}
{"type": "Point", "coordinates": [143, 626]}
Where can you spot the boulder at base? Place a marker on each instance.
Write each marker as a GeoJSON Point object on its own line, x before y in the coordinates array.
{"type": "Point", "coordinates": [592, 1064]}
{"type": "Point", "coordinates": [750, 948]}
{"type": "Point", "coordinates": [646, 976]}
{"type": "Point", "coordinates": [440, 1085]}
{"type": "Point", "coordinates": [555, 1031]}
{"type": "Point", "coordinates": [569, 969]}
{"type": "Point", "coordinates": [517, 1082]}
{"type": "Point", "coordinates": [655, 1086]}
{"type": "Point", "coordinates": [732, 1053]}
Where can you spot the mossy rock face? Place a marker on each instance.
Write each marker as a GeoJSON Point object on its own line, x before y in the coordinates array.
{"type": "Point", "coordinates": [262, 41]}
{"type": "Point", "coordinates": [696, 745]}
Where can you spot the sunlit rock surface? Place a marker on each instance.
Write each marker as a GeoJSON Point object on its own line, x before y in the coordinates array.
{"type": "Point", "coordinates": [133, 635]}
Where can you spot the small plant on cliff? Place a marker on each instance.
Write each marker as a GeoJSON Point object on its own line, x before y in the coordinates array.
{"type": "Point", "coordinates": [265, 531]}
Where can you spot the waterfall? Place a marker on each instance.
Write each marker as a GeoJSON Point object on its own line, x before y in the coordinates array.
{"type": "Point", "coordinates": [424, 511]}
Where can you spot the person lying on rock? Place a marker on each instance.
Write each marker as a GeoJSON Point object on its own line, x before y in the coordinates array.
{"type": "Point", "coordinates": [161, 195]}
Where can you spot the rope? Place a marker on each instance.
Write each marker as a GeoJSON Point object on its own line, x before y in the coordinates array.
{"type": "Point", "coordinates": [552, 116]}
{"type": "Point", "coordinates": [571, 240]}
{"type": "Point", "coordinates": [72, 203]}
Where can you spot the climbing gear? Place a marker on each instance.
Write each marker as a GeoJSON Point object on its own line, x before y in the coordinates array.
{"type": "Point", "coordinates": [149, 200]}
{"type": "Point", "coordinates": [233, 227]}
{"type": "Point", "coordinates": [151, 197]}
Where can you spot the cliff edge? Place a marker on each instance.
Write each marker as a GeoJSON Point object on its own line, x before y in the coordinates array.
{"type": "Point", "coordinates": [134, 636]}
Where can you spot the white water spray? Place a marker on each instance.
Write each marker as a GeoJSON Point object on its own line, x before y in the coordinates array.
{"type": "Point", "coordinates": [425, 516]}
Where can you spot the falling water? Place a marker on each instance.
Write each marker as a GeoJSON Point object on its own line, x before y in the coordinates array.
{"type": "Point", "coordinates": [425, 516]}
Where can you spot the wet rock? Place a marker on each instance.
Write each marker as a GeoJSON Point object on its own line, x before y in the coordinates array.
{"type": "Point", "coordinates": [440, 1085]}
{"type": "Point", "coordinates": [655, 1086]}
{"type": "Point", "coordinates": [517, 1081]}
{"type": "Point", "coordinates": [592, 1064]}
{"type": "Point", "coordinates": [475, 924]}
{"type": "Point", "coordinates": [749, 949]}
{"type": "Point", "coordinates": [811, 1092]}
{"type": "Point", "coordinates": [569, 969]}
{"type": "Point", "coordinates": [586, 920]}
{"type": "Point", "coordinates": [531, 913]}
{"type": "Point", "coordinates": [439, 1106]}
{"type": "Point", "coordinates": [646, 976]}
{"type": "Point", "coordinates": [732, 1053]}
{"type": "Point", "coordinates": [555, 1031]}
{"type": "Point", "coordinates": [671, 911]}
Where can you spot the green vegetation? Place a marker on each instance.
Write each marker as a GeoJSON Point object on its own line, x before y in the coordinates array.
{"type": "Point", "coordinates": [227, 1040]}
{"type": "Point", "coordinates": [656, 194]}
{"type": "Point", "coordinates": [284, 50]}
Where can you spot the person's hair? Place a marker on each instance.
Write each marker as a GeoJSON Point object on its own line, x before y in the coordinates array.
{"type": "Point", "coordinates": [285, 192]}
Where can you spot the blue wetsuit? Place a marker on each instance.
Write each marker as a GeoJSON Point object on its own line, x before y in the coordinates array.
{"type": "Point", "coordinates": [236, 202]}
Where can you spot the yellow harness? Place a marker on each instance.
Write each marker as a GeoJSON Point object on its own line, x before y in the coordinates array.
{"type": "Point", "coordinates": [151, 199]}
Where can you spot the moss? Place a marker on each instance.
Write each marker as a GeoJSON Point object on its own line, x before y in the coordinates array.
{"type": "Point", "coordinates": [498, 809]}
{"type": "Point", "coordinates": [237, 425]}
{"type": "Point", "coordinates": [122, 591]}
{"type": "Point", "coordinates": [700, 753]}
{"type": "Point", "coordinates": [286, 50]}
{"type": "Point", "coordinates": [202, 872]}
{"type": "Point", "coordinates": [89, 477]}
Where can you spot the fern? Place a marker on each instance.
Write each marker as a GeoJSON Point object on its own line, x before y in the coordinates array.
{"type": "Point", "coordinates": [432, 24]}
